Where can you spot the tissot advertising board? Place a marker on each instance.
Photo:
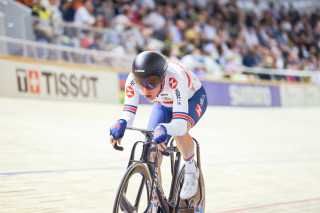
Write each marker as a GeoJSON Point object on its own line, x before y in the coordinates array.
{"type": "Point", "coordinates": [32, 80]}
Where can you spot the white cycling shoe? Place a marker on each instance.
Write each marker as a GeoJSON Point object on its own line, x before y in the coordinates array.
{"type": "Point", "coordinates": [190, 185]}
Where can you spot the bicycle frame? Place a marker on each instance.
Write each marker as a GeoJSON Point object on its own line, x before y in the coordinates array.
{"type": "Point", "coordinates": [168, 204]}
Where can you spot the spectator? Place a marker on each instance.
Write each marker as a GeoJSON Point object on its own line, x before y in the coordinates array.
{"type": "Point", "coordinates": [67, 9]}
{"type": "Point", "coordinates": [83, 16]}
{"type": "Point", "coordinates": [56, 16]}
{"type": "Point", "coordinates": [250, 58]}
{"type": "Point", "coordinates": [313, 65]}
{"type": "Point", "coordinates": [210, 30]}
{"type": "Point", "coordinates": [176, 31]}
{"type": "Point", "coordinates": [212, 67]}
{"type": "Point", "coordinates": [96, 45]}
{"type": "Point", "coordinates": [53, 7]}
{"type": "Point", "coordinates": [192, 59]}
{"type": "Point", "coordinates": [257, 9]}
{"type": "Point", "coordinates": [101, 22]}
{"type": "Point", "coordinates": [170, 52]}
{"type": "Point", "coordinates": [292, 61]}
{"type": "Point", "coordinates": [122, 21]}
{"type": "Point", "coordinates": [263, 36]}
{"type": "Point", "coordinates": [192, 34]}
{"type": "Point", "coordinates": [149, 3]}
{"type": "Point", "coordinates": [42, 28]}
{"type": "Point", "coordinates": [251, 36]}
{"type": "Point", "coordinates": [40, 11]}
{"type": "Point", "coordinates": [156, 21]}
{"type": "Point", "coordinates": [108, 11]}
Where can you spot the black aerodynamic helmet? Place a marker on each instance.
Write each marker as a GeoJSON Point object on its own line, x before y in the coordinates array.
{"type": "Point", "coordinates": [148, 64]}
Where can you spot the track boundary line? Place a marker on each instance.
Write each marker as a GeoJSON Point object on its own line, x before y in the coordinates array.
{"type": "Point", "coordinates": [60, 170]}
{"type": "Point", "coordinates": [283, 161]}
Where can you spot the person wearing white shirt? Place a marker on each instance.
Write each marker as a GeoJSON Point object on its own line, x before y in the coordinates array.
{"type": "Point", "coordinates": [83, 16]}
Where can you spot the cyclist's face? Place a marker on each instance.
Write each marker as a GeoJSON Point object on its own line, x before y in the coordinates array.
{"type": "Point", "coordinates": [151, 93]}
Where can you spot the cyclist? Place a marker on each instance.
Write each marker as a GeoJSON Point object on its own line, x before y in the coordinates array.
{"type": "Point", "coordinates": [179, 102]}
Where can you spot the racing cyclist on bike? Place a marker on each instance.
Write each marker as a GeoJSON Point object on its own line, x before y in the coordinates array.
{"type": "Point", "coordinates": [179, 102]}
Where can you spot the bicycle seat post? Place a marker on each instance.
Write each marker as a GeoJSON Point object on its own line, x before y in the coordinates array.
{"type": "Point", "coordinates": [144, 152]}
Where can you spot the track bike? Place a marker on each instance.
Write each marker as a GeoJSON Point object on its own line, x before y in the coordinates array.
{"type": "Point", "coordinates": [141, 181]}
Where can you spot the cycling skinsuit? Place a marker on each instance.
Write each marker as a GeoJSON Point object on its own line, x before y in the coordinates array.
{"type": "Point", "coordinates": [181, 99]}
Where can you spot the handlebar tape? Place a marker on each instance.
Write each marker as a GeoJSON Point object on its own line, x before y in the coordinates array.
{"type": "Point", "coordinates": [116, 147]}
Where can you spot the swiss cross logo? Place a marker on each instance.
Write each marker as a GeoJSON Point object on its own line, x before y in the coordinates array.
{"type": "Point", "coordinates": [173, 83]}
{"type": "Point", "coordinates": [28, 81]}
{"type": "Point", "coordinates": [129, 92]}
{"type": "Point", "coordinates": [34, 83]}
{"type": "Point", "coordinates": [199, 110]}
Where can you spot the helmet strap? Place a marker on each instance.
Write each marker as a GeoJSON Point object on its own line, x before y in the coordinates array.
{"type": "Point", "coordinates": [161, 87]}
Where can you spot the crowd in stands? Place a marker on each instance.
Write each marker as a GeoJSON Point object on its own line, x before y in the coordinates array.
{"type": "Point", "coordinates": [207, 36]}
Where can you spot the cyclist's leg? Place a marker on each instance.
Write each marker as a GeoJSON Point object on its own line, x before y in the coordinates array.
{"type": "Point", "coordinates": [160, 114]}
{"type": "Point", "coordinates": [197, 107]}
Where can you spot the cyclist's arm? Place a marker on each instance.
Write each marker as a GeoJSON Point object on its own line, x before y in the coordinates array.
{"type": "Point", "coordinates": [131, 101]}
{"type": "Point", "coordinates": [178, 125]}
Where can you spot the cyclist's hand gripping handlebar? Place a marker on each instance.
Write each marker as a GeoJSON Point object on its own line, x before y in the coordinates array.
{"type": "Point", "coordinates": [117, 131]}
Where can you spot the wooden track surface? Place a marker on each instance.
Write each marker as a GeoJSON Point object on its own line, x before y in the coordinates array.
{"type": "Point", "coordinates": [56, 157]}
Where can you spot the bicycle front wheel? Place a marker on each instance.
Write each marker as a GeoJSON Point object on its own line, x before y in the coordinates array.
{"type": "Point", "coordinates": [134, 191]}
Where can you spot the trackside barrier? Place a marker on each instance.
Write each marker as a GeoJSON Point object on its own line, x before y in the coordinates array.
{"type": "Point", "coordinates": [241, 94]}
{"type": "Point", "coordinates": [262, 95]}
{"type": "Point", "coordinates": [300, 95]}
{"type": "Point", "coordinates": [29, 79]}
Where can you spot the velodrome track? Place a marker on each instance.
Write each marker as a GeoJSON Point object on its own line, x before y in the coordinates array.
{"type": "Point", "coordinates": [56, 157]}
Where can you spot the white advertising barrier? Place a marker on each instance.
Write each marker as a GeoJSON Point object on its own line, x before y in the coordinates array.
{"type": "Point", "coordinates": [300, 95]}
{"type": "Point", "coordinates": [47, 81]}
{"type": "Point", "coordinates": [312, 94]}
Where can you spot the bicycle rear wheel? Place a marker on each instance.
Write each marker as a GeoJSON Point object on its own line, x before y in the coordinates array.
{"type": "Point", "coordinates": [134, 191]}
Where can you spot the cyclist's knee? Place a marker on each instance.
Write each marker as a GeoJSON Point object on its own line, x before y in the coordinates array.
{"type": "Point", "coordinates": [183, 138]}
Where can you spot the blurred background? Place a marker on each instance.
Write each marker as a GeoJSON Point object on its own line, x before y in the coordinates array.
{"type": "Point", "coordinates": [217, 39]}
{"type": "Point", "coordinates": [63, 69]}
{"type": "Point", "coordinates": [236, 41]}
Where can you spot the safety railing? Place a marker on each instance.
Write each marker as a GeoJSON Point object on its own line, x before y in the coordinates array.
{"type": "Point", "coordinates": [54, 52]}
{"type": "Point", "coordinates": [69, 34]}
{"type": "Point", "coordinates": [302, 6]}
{"type": "Point", "coordinates": [286, 75]}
